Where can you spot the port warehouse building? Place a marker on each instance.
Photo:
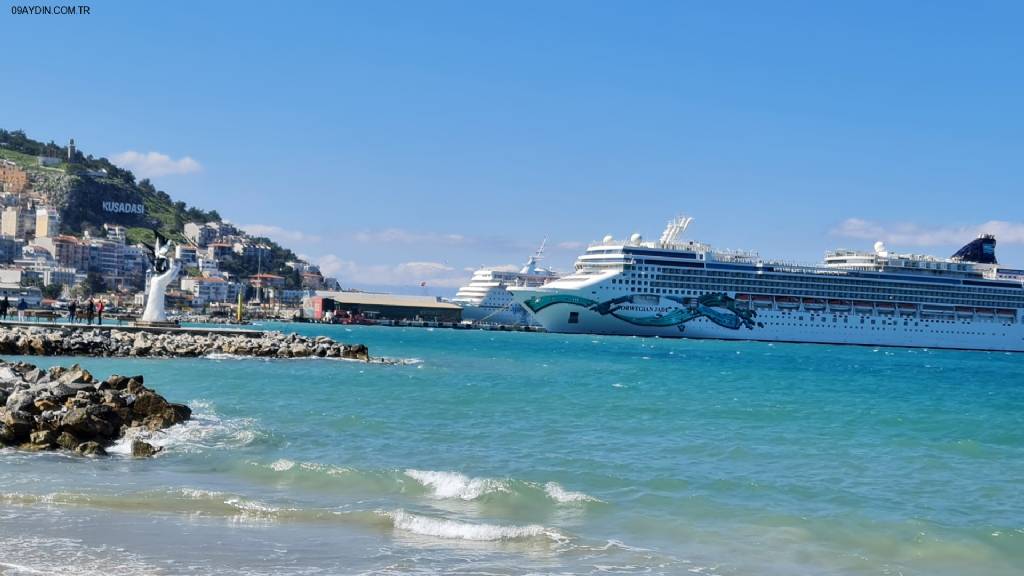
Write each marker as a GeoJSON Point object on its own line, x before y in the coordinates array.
{"type": "Point", "coordinates": [384, 306]}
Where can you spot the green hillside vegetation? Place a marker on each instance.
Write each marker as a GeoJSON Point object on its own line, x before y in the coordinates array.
{"type": "Point", "coordinates": [79, 187]}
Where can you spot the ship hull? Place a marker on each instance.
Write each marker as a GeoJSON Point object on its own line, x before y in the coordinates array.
{"type": "Point", "coordinates": [513, 315]}
{"type": "Point", "coordinates": [725, 319]}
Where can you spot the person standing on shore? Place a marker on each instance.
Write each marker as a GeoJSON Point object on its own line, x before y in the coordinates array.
{"type": "Point", "coordinates": [5, 305]}
{"type": "Point", "coordinates": [72, 309]}
{"type": "Point", "coordinates": [90, 311]}
{"type": "Point", "coordinates": [22, 306]}
{"type": "Point", "coordinates": [99, 312]}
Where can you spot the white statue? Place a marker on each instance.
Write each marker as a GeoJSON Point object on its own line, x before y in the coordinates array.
{"type": "Point", "coordinates": [165, 270]}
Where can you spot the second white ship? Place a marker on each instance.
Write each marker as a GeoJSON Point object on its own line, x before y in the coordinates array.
{"type": "Point", "coordinates": [486, 298]}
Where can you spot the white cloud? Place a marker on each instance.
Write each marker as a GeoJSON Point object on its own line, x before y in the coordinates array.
{"type": "Point", "coordinates": [400, 236]}
{"type": "Point", "coordinates": [403, 274]}
{"type": "Point", "coordinates": [279, 234]}
{"type": "Point", "coordinates": [909, 234]}
{"type": "Point", "coordinates": [152, 164]}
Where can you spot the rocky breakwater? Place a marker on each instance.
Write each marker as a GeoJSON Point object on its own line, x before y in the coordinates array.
{"type": "Point", "coordinates": [68, 409]}
{"type": "Point", "coordinates": [67, 341]}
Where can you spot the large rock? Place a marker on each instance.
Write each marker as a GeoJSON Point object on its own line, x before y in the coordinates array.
{"type": "Point", "coordinates": [21, 401]}
{"type": "Point", "coordinates": [92, 422]}
{"type": "Point", "coordinates": [17, 425]}
{"type": "Point", "coordinates": [68, 408]}
{"type": "Point", "coordinates": [142, 449]}
{"type": "Point", "coordinates": [91, 449]}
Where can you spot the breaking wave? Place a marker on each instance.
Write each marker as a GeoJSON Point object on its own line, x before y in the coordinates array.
{"type": "Point", "coordinates": [458, 486]}
{"type": "Point", "coordinates": [556, 492]}
{"type": "Point", "coordinates": [453, 485]}
{"type": "Point", "coordinates": [458, 530]}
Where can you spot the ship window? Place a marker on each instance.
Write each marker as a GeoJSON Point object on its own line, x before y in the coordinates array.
{"type": "Point", "coordinates": [574, 317]}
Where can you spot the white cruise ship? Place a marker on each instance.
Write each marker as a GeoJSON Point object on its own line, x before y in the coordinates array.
{"type": "Point", "coordinates": [677, 288]}
{"type": "Point", "coordinates": [486, 298]}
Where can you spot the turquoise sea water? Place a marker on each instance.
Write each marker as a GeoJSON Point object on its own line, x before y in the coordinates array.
{"type": "Point", "coordinates": [510, 453]}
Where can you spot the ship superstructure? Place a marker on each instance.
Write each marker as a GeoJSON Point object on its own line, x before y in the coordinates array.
{"type": "Point", "coordinates": [679, 288]}
{"type": "Point", "coordinates": [486, 298]}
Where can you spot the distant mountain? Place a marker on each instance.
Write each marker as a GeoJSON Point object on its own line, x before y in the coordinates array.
{"type": "Point", "coordinates": [89, 192]}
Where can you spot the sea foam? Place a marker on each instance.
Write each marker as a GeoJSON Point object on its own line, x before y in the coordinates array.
{"type": "Point", "coordinates": [457, 530]}
{"type": "Point", "coordinates": [453, 485]}
{"type": "Point", "coordinates": [205, 430]}
{"type": "Point", "coordinates": [556, 492]}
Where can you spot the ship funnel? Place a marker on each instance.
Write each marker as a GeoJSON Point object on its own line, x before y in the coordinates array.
{"type": "Point", "coordinates": [981, 250]}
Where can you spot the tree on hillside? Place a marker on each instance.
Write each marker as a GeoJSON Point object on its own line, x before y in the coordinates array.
{"type": "Point", "coordinates": [93, 284]}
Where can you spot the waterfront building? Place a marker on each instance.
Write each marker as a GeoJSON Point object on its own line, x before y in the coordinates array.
{"type": "Point", "coordinates": [135, 263]}
{"type": "Point", "coordinates": [200, 234]}
{"type": "Point", "coordinates": [312, 280]}
{"type": "Point", "coordinates": [107, 258]}
{"type": "Point", "coordinates": [10, 249]}
{"type": "Point", "coordinates": [60, 276]}
{"type": "Point", "coordinates": [207, 266]}
{"type": "Point", "coordinates": [381, 306]}
{"type": "Point", "coordinates": [18, 222]}
{"type": "Point", "coordinates": [11, 275]}
{"type": "Point", "coordinates": [206, 290]}
{"type": "Point", "coordinates": [47, 222]}
{"type": "Point", "coordinates": [116, 232]}
{"type": "Point", "coordinates": [13, 180]}
{"type": "Point", "coordinates": [186, 255]}
{"type": "Point", "coordinates": [677, 288]}
{"type": "Point", "coordinates": [204, 234]}
{"type": "Point", "coordinates": [266, 281]}
{"type": "Point", "coordinates": [251, 252]}
{"type": "Point", "coordinates": [67, 251]}
{"type": "Point", "coordinates": [15, 292]}
{"type": "Point", "coordinates": [220, 251]}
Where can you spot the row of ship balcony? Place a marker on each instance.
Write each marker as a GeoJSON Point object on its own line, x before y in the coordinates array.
{"type": "Point", "coordinates": [938, 311]}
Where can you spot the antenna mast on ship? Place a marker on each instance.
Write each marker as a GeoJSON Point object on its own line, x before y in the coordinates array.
{"type": "Point", "coordinates": [675, 228]}
{"type": "Point", "coordinates": [531, 264]}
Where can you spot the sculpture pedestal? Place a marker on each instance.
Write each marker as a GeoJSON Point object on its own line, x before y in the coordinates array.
{"type": "Point", "coordinates": [156, 324]}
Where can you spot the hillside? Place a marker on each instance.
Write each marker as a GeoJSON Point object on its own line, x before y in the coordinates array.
{"type": "Point", "coordinates": [89, 192]}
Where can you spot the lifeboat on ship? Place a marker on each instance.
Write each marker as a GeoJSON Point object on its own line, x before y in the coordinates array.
{"type": "Point", "coordinates": [814, 304]}
{"type": "Point", "coordinates": [743, 297]}
{"type": "Point", "coordinates": [984, 312]}
{"type": "Point", "coordinates": [862, 306]}
{"type": "Point", "coordinates": [787, 302]}
{"type": "Point", "coordinates": [964, 312]}
{"type": "Point", "coordinates": [906, 309]}
{"type": "Point", "coordinates": [839, 305]}
{"type": "Point", "coordinates": [760, 301]}
{"type": "Point", "coordinates": [885, 307]}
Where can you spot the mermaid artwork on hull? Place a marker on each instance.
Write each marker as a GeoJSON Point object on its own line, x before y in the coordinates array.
{"type": "Point", "coordinates": [716, 307]}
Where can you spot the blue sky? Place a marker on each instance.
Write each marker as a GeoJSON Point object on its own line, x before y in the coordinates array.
{"type": "Point", "coordinates": [396, 142]}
